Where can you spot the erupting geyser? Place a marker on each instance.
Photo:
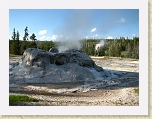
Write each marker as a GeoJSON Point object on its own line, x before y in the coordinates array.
{"type": "Point", "coordinates": [101, 44]}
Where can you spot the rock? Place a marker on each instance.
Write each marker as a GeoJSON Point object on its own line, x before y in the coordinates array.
{"type": "Point", "coordinates": [54, 50]}
{"type": "Point", "coordinates": [39, 66]}
{"type": "Point", "coordinates": [34, 56]}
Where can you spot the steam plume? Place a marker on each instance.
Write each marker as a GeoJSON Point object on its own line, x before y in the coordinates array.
{"type": "Point", "coordinates": [78, 24]}
{"type": "Point", "coordinates": [99, 44]}
{"type": "Point", "coordinates": [74, 29]}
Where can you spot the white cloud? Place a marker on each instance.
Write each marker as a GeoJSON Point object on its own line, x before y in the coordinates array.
{"type": "Point", "coordinates": [94, 29]}
{"type": "Point", "coordinates": [54, 37]}
{"type": "Point", "coordinates": [96, 35]}
{"type": "Point", "coordinates": [122, 20]}
{"type": "Point", "coordinates": [10, 37]}
{"type": "Point", "coordinates": [48, 38]}
{"type": "Point", "coordinates": [42, 32]}
{"type": "Point", "coordinates": [133, 35]}
{"type": "Point", "coordinates": [42, 38]}
{"type": "Point", "coordinates": [87, 37]}
{"type": "Point", "coordinates": [110, 37]}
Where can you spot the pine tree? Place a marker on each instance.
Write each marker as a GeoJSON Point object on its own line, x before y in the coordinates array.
{"type": "Point", "coordinates": [25, 38]}
{"type": "Point", "coordinates": [129, 50]}
{"type": "Point", "coordinates": [33, 38]}
{"type": "Point", "coordinates": [17, 44]}
{"type": "Point", "coordinates": [12, 44]}
{"type": "Point", "coordinates": [14, 34]}
{"type": "Point", "coordinates": [136, 47]}
{"type": "Point", "coordinates": [117, 49]}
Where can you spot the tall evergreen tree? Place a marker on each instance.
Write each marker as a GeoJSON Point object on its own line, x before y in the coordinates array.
{"type": "Point", "coordinates": [136, 47]}
{"type": "Point", "coordinates": [12, 45]}
{"type": "Point", "coordinates": [17, 44]}
{"type": "Point", "coordinates": [14, 34]}
{"type": "Point", "coordinates": [25, 38]}
{"type": "Point", "coordinates": [129, 49]}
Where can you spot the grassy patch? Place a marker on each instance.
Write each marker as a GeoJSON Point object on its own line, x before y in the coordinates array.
{"type": "Point", "coordinates": [124, 54]}
{"type": "Point", "coordinates": [12, 55]}
{"type": "Point", "coordinates": [118, 103]}
{"type": "Point", "coordinates": [136, 90]}
{"type": "Point", "coordinates": [15, 99]}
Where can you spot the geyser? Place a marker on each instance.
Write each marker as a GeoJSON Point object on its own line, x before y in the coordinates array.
{"type": "Point", "coordinates": [101, 44]}
{"type": "Point", "coordinates": [39, 66]}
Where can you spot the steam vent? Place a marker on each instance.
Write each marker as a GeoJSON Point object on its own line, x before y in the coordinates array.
{"type": "Point", "coordinates": [39, 66]}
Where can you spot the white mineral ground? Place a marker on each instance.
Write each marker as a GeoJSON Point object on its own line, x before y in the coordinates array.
{"type": "Point", "coordinates": [77, 94]}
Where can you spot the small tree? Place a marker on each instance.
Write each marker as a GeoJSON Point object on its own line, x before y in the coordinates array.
{"type": "Point", "coordinates": [33, 38]}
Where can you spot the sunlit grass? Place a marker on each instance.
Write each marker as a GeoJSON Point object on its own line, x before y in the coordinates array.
{"type": "Point", "coordinates": [15, 99]}
{"type": "Point", "coordinates": [136, 90]}
{"type": "Point", "coordinates": [12, 55]}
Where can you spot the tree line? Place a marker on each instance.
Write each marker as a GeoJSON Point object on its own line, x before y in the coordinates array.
{"type": "Point", "coordinates": [128, 48]}
{"type": "Point", "coordinates": [17, 46]}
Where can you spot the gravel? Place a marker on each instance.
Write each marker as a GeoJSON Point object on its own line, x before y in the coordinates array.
{"type": "Point", "coordinates": [121, 95]}
{"type": "Point", "coordinates": [112, 97]}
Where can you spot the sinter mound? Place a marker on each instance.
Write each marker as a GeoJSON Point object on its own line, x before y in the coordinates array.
{"type": "Point", "coordinates": [39, 66]}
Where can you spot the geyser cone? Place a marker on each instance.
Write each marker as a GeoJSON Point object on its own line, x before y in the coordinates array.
{"type": "Point", "coordinates": [40, 66]}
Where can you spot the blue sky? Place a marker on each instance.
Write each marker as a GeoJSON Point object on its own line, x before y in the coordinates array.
{"type": "Point", "coordinates": [61, 24]}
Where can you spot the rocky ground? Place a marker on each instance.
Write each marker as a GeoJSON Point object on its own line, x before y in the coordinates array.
{"type": "Point", "coordinates": [119, 95]}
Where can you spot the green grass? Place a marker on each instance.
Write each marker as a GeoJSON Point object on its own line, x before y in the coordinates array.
{"type": "Point", "coordinates": [118, 103]}
{"type": "Point", "coordinates": [15, 99]}
{"type": "Point", "coordinates": [12, 55]}
{"type": "Point", "coordinates": [124, 54]}
{"type": "Point", "coordinates": [136, 90]}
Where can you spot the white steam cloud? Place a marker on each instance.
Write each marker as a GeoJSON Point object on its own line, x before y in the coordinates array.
{"type": "Point", "coordinates": [69, 44]}
{"type": "Point", "coordinates": [75, 28]}
{"type": "Point", "coordinates": [101, 44]}
{"type": "Point", "coordinates": [78, 24]}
